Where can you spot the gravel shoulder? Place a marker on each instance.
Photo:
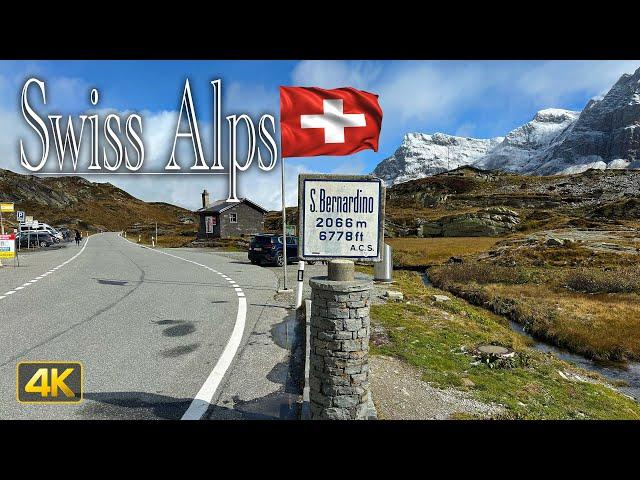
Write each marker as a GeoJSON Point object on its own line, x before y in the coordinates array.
{"type": "Point", "coordinates": [400, 394]}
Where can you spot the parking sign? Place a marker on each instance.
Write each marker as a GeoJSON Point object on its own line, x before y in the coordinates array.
{"type": "Point", "coordinates": [20, 216]}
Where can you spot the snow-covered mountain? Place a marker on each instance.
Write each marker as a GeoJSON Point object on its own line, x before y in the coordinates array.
{"type": "Point", "coordinates": [421, 155]}
{"type": "Point", "coordinates": [524, 148]}
{"type": "Point", "coordinates": [606, 134]}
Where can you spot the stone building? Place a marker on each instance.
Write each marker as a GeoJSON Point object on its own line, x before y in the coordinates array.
{"type": "Point", "coordinates": [222, 219]}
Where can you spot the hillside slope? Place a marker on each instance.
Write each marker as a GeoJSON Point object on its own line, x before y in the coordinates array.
{"type": "Point", "coordinates": [78, 203]}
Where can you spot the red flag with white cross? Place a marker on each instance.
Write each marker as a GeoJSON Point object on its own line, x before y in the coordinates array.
{"type": "Point", "coordinates": [315, 121]}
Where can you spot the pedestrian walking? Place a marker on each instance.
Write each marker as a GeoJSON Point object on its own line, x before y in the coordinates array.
{"type": "Point", "coordinates": [78, 237]}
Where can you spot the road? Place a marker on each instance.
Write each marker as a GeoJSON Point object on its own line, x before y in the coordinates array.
{"type": "Point", "coordinates": [162, 333]}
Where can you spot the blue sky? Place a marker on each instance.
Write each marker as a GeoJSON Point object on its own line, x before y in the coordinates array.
{"type": "Point", "coordinates": [469, 98]}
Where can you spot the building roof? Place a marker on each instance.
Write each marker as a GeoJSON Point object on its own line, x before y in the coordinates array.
{"type": "Point", "coordinates": [220, 206]}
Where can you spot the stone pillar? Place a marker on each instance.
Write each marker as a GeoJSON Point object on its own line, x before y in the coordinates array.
{"type": "Point", "coordinates": [339, 346]}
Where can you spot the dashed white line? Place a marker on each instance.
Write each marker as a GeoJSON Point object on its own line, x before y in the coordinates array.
{"type": "Point", "coordinates": [201, 402]}
{"type": "Point", "coordinates": [11, 292]}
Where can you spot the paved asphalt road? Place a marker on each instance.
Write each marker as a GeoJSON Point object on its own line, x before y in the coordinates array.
{"type": "Point", "coordinates": [152, 330]}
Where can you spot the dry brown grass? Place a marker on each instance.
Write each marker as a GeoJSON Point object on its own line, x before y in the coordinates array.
{"type": "Point", "coordinates": [602, 326]}
{"type": "Point", "coordinates": [619, 280]}
{"type": "Point", "coordinates": [592, 311]}
{"type": "Point", "coordinates": [482, 273]}
{"type": "Point", "coordinates": [418, 252]}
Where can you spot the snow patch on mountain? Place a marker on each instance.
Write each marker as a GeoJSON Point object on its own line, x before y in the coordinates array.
{"type": "Point", "coordinates": [605, 135]}
{"type": "Point", "coordinates": [524, 148]}
{"type": "Point", "coordinates": [422, 155]}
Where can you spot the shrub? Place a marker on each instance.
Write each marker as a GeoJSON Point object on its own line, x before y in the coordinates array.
{"type": "Point", "coordinates": [481, 273]}
{"type": "Point", "coordinates": [620, 280]}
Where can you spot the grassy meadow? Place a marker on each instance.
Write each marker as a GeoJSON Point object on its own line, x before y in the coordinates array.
{"type": "Point", "coordinates": [438, 338]}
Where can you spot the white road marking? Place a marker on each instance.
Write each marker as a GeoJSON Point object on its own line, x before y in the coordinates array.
{"type": "Point", "coordinates": [46, 273]}
{"type": "Point", "coordinates": [201, 402]}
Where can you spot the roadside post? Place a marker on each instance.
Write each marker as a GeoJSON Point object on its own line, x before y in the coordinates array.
{"type": "Point", "coordinates": [383, 270]}
{"type": "Point", "coordinates": [341, 220]}
{"type": "Point", "coordinates": [300, 283]}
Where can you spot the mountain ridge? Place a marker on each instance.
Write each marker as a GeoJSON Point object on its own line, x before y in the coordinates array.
{"type": "Point", "coordinates": [604, 135]}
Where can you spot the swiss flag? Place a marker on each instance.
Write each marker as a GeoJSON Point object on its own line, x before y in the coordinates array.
{"type": "Point", "coordinates": [315, 121]}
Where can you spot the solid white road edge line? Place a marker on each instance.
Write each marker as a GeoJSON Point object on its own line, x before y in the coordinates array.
{"type": "Point", "coordinates": [201, 402]}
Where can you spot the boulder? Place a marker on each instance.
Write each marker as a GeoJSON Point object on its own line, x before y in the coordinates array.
{"type": "Point", "coordinates": [440, 298]}
{"type": "Point", "coordinates": [487, 222]}
{"type": "Point", "coordinates": [554, 242]}
{"type": "Point", "coordinates": [394, 295]}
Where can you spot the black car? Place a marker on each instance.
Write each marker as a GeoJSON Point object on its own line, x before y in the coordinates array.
{"type": "Point", "coordinates": [41, 239]}
{"type": "Point", "coordinates": [268, 248]}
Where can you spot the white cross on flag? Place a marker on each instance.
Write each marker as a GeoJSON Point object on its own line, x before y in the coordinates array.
{"type": "Point", "coordinates": [315, 121]}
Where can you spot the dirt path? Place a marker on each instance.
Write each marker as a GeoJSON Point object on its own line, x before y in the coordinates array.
{"type": "Point", "coordinates": [400, 394]}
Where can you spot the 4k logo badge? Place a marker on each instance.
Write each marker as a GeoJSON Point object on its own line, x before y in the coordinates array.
{"type": "Point", "coordinates": [49, 382]}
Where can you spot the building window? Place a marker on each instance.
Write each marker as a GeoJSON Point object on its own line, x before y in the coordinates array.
{"type": "Point", "coordinates": [233, 218]}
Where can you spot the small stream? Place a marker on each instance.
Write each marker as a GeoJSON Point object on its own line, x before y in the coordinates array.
{"type": "Point", "coordinates": [628, 372]}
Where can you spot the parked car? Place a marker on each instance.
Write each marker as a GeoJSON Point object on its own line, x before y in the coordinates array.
{"type": "Point", "coordinates": [66, 233]}
{"type": "Point", "coordinates": [42, 239]}
{"type": "Point", "coordinates": [268, 248]}
{"type": "Point", "coordinates": [40, 227]}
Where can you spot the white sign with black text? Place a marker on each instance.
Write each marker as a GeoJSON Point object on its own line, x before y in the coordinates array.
{"type": "Point", "coordinates": [341, 217]}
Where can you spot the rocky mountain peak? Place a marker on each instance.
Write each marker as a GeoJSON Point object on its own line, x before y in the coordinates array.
{"type": "Point", "coordinates": [605, 134]}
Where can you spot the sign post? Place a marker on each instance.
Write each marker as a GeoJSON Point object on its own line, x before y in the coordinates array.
{"type": "Point", "coordinates": [341, 220]}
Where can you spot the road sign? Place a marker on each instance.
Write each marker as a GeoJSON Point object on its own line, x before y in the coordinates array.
{"type": "Point", "coordinates": [28, 219]}
{"type": "Point", "coordinates": [6, 207]}
{"type": "Point", "coordinates": [7, 246]}
{"type": "Point", "coordinates": [20, 216]}
{"type": "Point", "coordinates": [341, 216]}
{"type": "Point", "coordinates": [291, 230]}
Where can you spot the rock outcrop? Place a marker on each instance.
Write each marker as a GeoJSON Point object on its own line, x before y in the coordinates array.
{"type": "Point", "coordinates": [488, 222]}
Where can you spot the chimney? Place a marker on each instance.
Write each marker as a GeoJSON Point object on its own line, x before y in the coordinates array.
{"type": "Point", "coordinates": [205, 199]}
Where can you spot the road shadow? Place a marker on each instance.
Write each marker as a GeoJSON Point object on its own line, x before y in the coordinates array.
{"type": "Point", "coordinates": [133, 406]}
{"type": "Point", "coordinates": [285, 402]}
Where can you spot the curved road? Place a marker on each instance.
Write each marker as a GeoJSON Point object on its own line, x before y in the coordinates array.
{"type": "Point", "coordinates": [154, 329]}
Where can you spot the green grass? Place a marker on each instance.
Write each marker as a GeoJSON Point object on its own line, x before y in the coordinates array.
{"type": "Point", "coordinates": [434, 338]}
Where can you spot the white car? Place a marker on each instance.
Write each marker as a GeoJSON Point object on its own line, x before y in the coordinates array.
{"type": "Point", "coordinates": [40, 227]}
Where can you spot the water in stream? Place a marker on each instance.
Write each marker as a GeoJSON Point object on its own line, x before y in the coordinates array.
{"type": "Point", "coordinates": [628, 372]}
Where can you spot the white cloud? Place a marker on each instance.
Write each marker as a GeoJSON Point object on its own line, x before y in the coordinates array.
{"type": "Point", "coordinates": [441, 91]}
{"type": "Point", "coordinates": [336, 73]}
